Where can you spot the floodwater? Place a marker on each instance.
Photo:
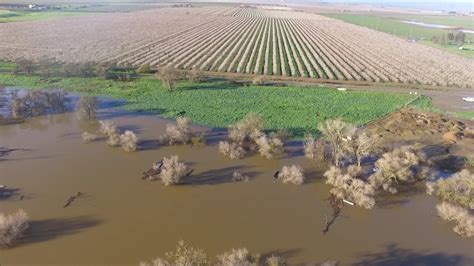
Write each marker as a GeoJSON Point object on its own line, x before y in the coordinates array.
{"type": "Point", "coordinates": [436, 26]}
{"type": "Point", "coordinates": [123, 219]}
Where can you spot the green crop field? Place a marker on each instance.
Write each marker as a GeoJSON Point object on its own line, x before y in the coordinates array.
{"type": "Point", "coordinates": [220, 103]}
{"type": "Point", "coordinates": [393, 25]}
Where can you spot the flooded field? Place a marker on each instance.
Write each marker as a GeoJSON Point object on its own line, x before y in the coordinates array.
{"type": "Point", "coordinates": [122, 219]}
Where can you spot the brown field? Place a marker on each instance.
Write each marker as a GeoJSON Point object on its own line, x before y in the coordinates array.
{"type": "Point", "coordinates": [252, 41]}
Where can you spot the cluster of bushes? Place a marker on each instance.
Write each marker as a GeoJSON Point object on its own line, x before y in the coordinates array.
{"type": "Point", "coordinates": [189, 255]}
{"type": "Point", "coordinates": [345, 146]}
{"type": "Point", "coordinates": [128, 141]}
{"type": "Point", "coordinates": [185, 254]}
{"type": "Point", "coordinates": [171, 171]}
{"type": "Point", "coordinates": [12, 227]}
{"type": "Point", "coordinates": [247, 135]}
{"type": "Point", "coordinates": [38, 102]}
{"type": "Point", "coordinates": [293, 174]}
{"type": "Point", "coordinates": [457, 196]}
{"type": "Point", "coordinates": [181, 133]}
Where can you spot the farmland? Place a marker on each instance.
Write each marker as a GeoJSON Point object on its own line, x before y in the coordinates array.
{"type": "Point", "coordinates": [219, 104]}
{"type": "Point", "coordinates": [393, 24]}
{"type": "Point", "coordinates": [250, 41]}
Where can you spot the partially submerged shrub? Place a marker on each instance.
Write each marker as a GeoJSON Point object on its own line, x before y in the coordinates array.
{"type": "Point", "coordinates": [86, 108]}
{"type": "Point", "coordinates": [314, 149]}
{"type": "Point", "coordinates": [88, 137]}
{"type": "Point", "coordinates": [247, 128]}
{"type": "Point", "coordinates": [179, 133]}
{"type": "Point", "coordinates": [291, 175]}
{"type": "Point", "coordinates": [457, 189]}
{"type": "Point", "coordinates": [173, 171]}
{"type": "Point", "coordinates": [238, 177]}
{"type": "Point", "coordinates": [12, 227]}
{"type": "Point", "coordinates": [184, 255]}
{"type": "Point", "coordinates": [108, 128]}
{"type": "Point", "coordinates": [239, 256]}
{"type": "Point", "coordinates": [198, 140]}
{"type": "Point", "coordinates": [337, 133]}
{"type": "Point", "coordinates": [347, 186]}
{"type": "Point", "coordinates": [114, 140]}
{"type": "Point", "coordinates": [275, 261]}
{"type": "Point", "coordinates": [402, 165]}
{"type": "Point", "coordinates": [269, 147]}
{"type": "Point", "coordinates": [464, 222]}
{"type": "Point", "coordinates": [128, 141]}
{"type": "Point", "coordinates": [38, 102]}
{"type": "Point", "coordinates": [231, 150]}
{"type": "Point", "coordinates": [361, 145]}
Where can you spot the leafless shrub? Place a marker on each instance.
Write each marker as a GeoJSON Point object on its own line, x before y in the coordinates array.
{"type": "Point", "coordinates": [128, 141]}
{"type": "Point", "coordinates": [269, 147]}
{"type": "Point", "coordinates": [86, 108]}
{"type": "Point", "coordinates": [247, 128]}
{"type": "Point", "coordinates": [12, 227]}
{"type": "Point", "coordinates": [238, 177]}
{"type": "Point", "coordinates": [114, 140]}
{"type": "Point", "coordinates": [198, 140]}
{"type": "Point", "coordinates": [25, 66]}
{"type": "Point", "coordinates": [361, 145]}
{"type": "Point", "coordinates": [231, 150]}
{"type": "Point", "coordinates": [184, 255]}
{"type": "Point", "coordinates": [275, 261]}
{"type": "Point", "coordinates": [173, 171]}
{"type": "Point", "coordinates": [144, 69]}
{"type": "Point", "coordinates": [169, 77]}
{"type": "Point", "coordinates": [349, 187]}
{"type": "Point", "coordinates": [108, 128]}
{"type": "Point", "coordinates": [239, 256]}
{"type": "Point", "coordinates": [282, 134]}
{"type": "Point", "coordinates": [38, 102]}
{"type": "Point", "coordinates": [329, 263]}
{"type": "Point", "coordinates": [314, 149]}
{"type": "Point", "coordinates": [457, 189]}
{"type": "Point", "coordinates": [291, 175]}
{"type": "Point", "coordinates": [260, 80]}
{"type": "Point", "coordinates": [464, 222]}
{"type": "Point", "coordinates": [337, 133]}
{"type": "Point", "coordinates": [196, 76]}
{"type": "Point", "coordinates": [88, 137]}
{"type": "Point", "coordinates": [179, 133]}
{"type": "Point", "coordinates": [403, 164]}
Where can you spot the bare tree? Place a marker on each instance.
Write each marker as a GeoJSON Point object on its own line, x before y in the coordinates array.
{"type": "Point", "coordinates": [169, 77]}
{"type": "Point", "coordinates": [361, 145]}
{"type": "Point", "coordinates": [337, 133]}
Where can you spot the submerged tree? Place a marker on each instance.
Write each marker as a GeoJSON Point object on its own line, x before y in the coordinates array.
{"type": "Point", "coordinates": [12, 227]}
{"type": "Point", "coordinates": [348, 186]}
{"type": "Point", "coordinates": [457, 189]}
{"type": "Point", "coordinates": [86, 108]}
{"type": "Point", "coordinates": [179, 133]}
{"type": "Point", "coordinates": [337, 133]}
{"type": "Point", "coordinates": [464, 222]}
{"type": "Point", "coordinates": [402, 165]}
{"type": "Point", "coordinates": [293, 174]}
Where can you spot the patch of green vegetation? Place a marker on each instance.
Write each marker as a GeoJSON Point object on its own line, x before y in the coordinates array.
{"type": "Point", "coordinates": [425, 103]}
{"type": "Point", "coordinates": [17, 16]}
{"type": "Point", "coordinates": [221, 103]}
{"type": "Point", "coordinates": [393, 25]}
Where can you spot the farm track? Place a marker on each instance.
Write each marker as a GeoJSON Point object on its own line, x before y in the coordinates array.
{"type": "Point", "coordinates": [247, 41]}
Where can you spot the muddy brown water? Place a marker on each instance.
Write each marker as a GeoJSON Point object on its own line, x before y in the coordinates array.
{"type": "Point", "coordinates": [123, 219]}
